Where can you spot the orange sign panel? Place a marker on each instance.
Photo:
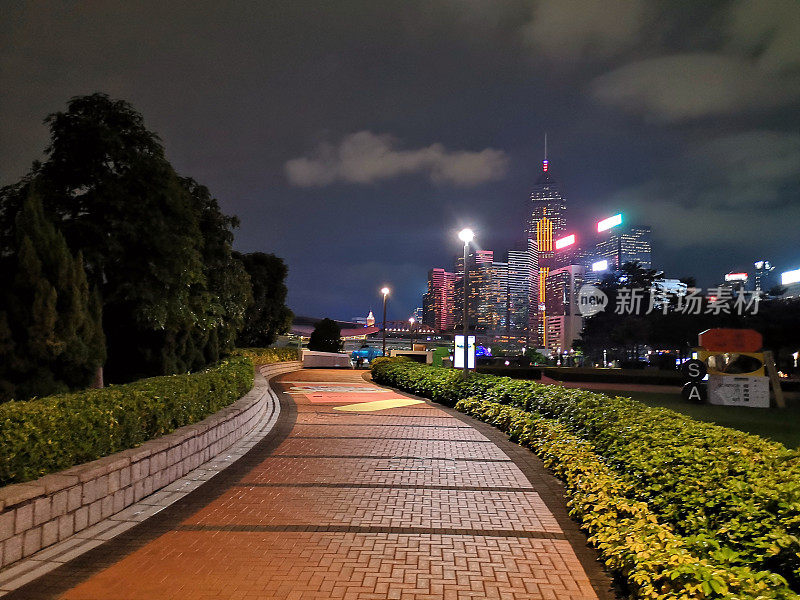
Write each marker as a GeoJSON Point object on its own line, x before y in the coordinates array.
{"type": "Point", "coordinates": [731, 340]}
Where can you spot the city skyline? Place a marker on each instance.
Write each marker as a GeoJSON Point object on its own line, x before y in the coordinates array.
{"type": "Point", "coordinates": [354, 141]}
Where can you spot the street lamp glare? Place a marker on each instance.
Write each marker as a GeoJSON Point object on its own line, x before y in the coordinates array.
{"type": "Point", "coordinates": [466, 235]}
{"type": "Point", "coordinates": [411, 320]}
{"type": "Point", "coordinates": [385, 291]}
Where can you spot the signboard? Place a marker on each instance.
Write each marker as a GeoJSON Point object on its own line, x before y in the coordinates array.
{"type": "Point", "coordinates": [733, 363]}
{"type": "Point", "coordinates": [694, 369]}
{"type": "Point", "coordinates": [738, 391]}
{"type": "Point", "coordinates": [458, 355]}
{"type": "Point", "coordinates": [565, 241]}
{"type": "Point", "coordinates": [694, 391]}
{"type": "Point", "coordinates": [731, 340]}
{"type": "Point", "coordinates": [609, 223]}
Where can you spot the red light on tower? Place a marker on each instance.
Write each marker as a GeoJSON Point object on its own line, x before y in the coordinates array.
{"type": "Point", "coordinates": [544, 165]}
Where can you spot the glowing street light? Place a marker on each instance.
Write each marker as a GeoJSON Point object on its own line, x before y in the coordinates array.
{"type": "Point", "coordinates": [411, 322]}
{"type": "Point", "coordinates": [466, 236]}
{"type": "Point", "coordinates": [385, 291]}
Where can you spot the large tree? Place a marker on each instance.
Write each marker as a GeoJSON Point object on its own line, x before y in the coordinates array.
{"type": "Point", "coordinates": [155, 244]}
{"type": "Point", "coordinates": [268, 315]}
{"type": "Point", "coordinates": [326, 337]}
{"type": "Point", "coordinates": [51, 338]}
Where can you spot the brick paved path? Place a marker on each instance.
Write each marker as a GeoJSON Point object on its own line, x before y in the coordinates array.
{"type": "Point", "coordinates": [369, 502]}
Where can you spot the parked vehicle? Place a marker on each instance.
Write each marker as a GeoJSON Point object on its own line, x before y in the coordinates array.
{"type": "Point", "coordinates": [366, 353]}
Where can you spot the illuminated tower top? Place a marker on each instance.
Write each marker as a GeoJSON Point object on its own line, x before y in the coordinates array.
{"type": "Point", "coordinates": [547, 208]}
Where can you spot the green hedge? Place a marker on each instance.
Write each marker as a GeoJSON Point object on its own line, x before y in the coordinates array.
{"type": "Point", "coordinates": [728, 493]}
{"type": "Point", "coordinates": [654, 561]}
{"type": "Point", "coordinates": [262, 356]}
{"type": "Point", "coordinates": [53, 433]}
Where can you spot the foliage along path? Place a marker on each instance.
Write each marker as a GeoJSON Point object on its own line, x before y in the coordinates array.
{"type": "Point", "coordinates": [359, 492]}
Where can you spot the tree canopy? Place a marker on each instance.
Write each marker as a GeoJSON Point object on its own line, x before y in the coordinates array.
{"type": "Point", "coordinates": [155, 245]}
{"type": "Point", "coordinates": [268, 315]}
{"type": "Point", "coordinates": [51, 337]}
{"type": "Point", "coordinates": [326, 337]}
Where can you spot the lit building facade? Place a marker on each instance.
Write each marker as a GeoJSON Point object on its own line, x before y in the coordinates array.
{"type": "Point", "coordinates": [479, 265]}
{"type": "Point", "coordinates": [546, 222]}
{"type": "Point", "coordinates": [563, 321]}
{"type": "Point", "coordinates": [438, 301]}
{"type": "Point", "coordinates": [523, 293]}
{"type": "Point", "coordinates": [623, 244]}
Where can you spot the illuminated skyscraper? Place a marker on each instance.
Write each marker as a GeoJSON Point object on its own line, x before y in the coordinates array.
{"type": "Point", "coordinates": [546, 223]}
{"type": "Point", "coordinates": [523, 281]}
{"type": "Point", "coordinates": [623, 244]}
{"type": "Point", "coordinates": [563, 323]}
{"type": "Point", "coordinates": [480, 270]}
{"type": "Point", "coordinates": [437, 303]}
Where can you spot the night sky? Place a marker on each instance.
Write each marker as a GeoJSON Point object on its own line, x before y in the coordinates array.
{"type": "Point", "coordinates": [354, 139]}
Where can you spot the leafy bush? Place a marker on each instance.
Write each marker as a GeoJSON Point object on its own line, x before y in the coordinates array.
{"type": "Point", "coordinates": [263, 356]}
{"type": "Point", "coordinates": [654, 561]}
{"type": "Point", "coordinates": [53, 433]}
{"type": "Point", "coordinates": [724, 490]}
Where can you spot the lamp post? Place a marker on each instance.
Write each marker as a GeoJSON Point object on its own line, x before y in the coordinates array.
{"type": "Point", "coordinates": [385, 292]}
{"type": "Point", "coordinates": [411, 330]}
{"type": "Point", "coordinates": [466, 236]}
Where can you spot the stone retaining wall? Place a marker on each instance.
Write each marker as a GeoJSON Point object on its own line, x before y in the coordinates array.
{"type": "Point", "coordinates": [37, 514]}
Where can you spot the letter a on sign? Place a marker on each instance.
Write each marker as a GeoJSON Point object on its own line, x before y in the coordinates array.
{"type": "Point", "coordinates": [694, 392]}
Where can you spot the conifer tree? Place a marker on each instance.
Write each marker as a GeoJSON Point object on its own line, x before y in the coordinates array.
{"type": "Point", "coordinates": [51, 337]}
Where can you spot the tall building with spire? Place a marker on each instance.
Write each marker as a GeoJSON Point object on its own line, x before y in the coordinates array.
{"type": "Point", "coordinates": [546, 222]}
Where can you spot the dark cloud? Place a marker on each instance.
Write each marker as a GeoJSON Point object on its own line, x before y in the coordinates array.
{"type": "Point", "coordinates": [687, 86]}
{"type": "Point", "coordinates": [571, 29]}
{"type": "Point", "coordinates": [366, 157]}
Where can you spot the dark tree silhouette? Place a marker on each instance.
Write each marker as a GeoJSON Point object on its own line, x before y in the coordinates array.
{"type": "Point", "coordinates": [326, 337]}
{"type": "Point", "coordinates": [268, 315]}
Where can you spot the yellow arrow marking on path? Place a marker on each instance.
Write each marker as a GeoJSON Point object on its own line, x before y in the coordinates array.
{"type": "Point", "coordinates": [378, 405]}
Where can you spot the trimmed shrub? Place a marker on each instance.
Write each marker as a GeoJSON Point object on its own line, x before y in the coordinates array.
{"type": "Point", "coordinates": [49, 434]}
{"type": "Point", "coordinates": [724, 490]}
{"type": "Point", "coordinates": [264, 356]}
{"type": "Point", "coordinates": [654, 561]}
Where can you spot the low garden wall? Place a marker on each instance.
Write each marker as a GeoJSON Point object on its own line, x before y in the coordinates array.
{"type": "Point", "coordinates": [42, 512]}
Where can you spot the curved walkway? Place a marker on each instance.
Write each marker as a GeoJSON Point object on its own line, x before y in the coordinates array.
{"type": "Point", "coordinates": [359, 492]}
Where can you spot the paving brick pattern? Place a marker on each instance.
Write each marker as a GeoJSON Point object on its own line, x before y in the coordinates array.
{"type": "Point", "coordinates": [401, 503]}
{"type": "Point", "coordinates": [387, 471]}
{"type": "Point", "coordinates": [390, 507]}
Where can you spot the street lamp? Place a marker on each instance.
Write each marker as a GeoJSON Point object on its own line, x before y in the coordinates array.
{"type": "Point", "coordinates": [411, 321]}
{"type": "Point", "coordinates": [466, 236]}
{"type": "Point", "coordinates": [385, 291]}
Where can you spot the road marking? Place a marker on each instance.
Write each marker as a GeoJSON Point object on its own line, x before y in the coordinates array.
{"type": "Point", "coordinates": [378, 405]}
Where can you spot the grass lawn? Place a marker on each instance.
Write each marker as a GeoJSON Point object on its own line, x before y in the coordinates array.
{"type": "Point", "coordinates": [781, 425]}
